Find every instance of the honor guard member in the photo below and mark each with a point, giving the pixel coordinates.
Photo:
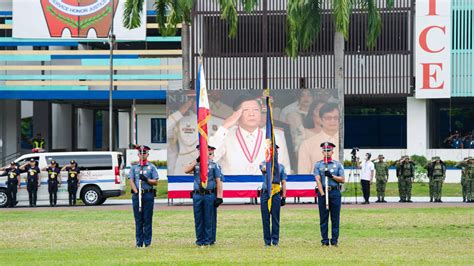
(32, 180)
(54, 181)
(407, 174)
(13, 183)
(272, 237)
(463, 165)
(334, 171)
(429, 169)
(145, 173)
(73, 180)
(205, 200)
(219, 194)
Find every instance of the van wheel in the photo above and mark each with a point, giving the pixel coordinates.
(102, 200)
(91, 196)
(3, 198)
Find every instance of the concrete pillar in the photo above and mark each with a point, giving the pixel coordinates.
(42, 122)
(417, 126)
(123, 126)
(62, 126)
(10, 119)
(105, 130)
(85, 129)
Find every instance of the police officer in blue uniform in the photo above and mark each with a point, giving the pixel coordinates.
(278, 200)
(143, 174)
(13, 183)
(219, 193)
(54, 181)
(32, 180)
(73, 180)
(206, 200)
(334, 171)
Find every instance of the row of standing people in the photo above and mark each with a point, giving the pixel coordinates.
(405, 172)
(33, 181)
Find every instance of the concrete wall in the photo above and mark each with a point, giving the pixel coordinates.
(85, 129)
(10, 117)
(124, 130)
(62, 126)
(144, 115)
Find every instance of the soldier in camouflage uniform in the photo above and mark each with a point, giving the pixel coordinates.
(463, 165)
(398, 174)
(406, 170)
(470, 180)
(430, 178)
(437, 171)
(381, 176)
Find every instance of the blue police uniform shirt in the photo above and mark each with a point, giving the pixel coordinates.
(283, 175)
(334, 167)
(149, 171)
(456, 143)
(214, 172)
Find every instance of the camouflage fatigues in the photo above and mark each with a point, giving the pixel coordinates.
(470, 181)
(464, 178)
(381, 176)
(405, 174)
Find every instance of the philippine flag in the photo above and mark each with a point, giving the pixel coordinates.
(204, 114)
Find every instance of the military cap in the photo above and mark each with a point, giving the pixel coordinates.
(142, 149)
(381, 156)
(54, 162)
(327, 146)
(436, 158)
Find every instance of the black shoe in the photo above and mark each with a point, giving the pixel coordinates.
(384, 201)
(401, 200)
(378, 201)
(325, 245)
(275, 244)
(409, 201)
(334, 245)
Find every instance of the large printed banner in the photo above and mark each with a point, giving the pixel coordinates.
(433, 49)
(72, 19)
(303, 118)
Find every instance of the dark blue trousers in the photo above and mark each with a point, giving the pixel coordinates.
(144, 219)
(214, 227)
(334, 211)
(204, 218)
(274, 236)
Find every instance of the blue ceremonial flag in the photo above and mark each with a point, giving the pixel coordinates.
(271, 155)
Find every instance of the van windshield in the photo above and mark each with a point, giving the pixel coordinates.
(85, 162)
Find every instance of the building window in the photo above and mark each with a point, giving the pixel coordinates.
(158, 130)
(452, 123)
(375, 126)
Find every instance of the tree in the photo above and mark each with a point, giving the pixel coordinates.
(170, 13)
(304, 24)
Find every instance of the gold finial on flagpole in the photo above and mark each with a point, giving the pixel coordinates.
(266, 92)
(200, 55)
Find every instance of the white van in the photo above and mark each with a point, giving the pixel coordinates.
(102, 176)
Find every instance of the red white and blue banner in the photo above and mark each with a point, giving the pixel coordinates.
(203, 116)
(243, 186)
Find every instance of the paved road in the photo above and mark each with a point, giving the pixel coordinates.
(305, 203)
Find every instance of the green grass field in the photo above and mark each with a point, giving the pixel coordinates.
(368, 236)
(419, 189)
